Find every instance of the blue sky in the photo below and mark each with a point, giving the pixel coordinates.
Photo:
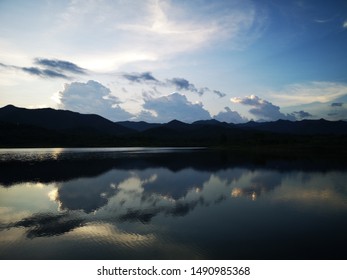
(161, 60)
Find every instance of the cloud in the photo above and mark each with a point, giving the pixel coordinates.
(262, 108)
(333, 109)
(219, 93)
(92, 98)
(45, 73)
(178, 84)
(181, 83)
(344, 25)
(140, 77)
(167, 28)
(306, 93)
(108, 35)
(173, 106)
(337, 104)
(230, 116)
(301, 115)
(47, 224)
(53, 68)
(60, 65)
(336, 110)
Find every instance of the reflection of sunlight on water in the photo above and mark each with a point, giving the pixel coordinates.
(56, 152)
(108, 233)
(309, 196)
(236, 192)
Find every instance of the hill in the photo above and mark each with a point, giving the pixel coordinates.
(61, 120)
(47, 127)
(304, 127)
(138, 126)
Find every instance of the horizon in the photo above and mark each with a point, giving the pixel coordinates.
(156, 61)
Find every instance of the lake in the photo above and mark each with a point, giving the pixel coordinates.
(167, 203)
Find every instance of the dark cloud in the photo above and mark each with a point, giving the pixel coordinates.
(45, 73)
(178, 83)
(182, 84)
(144, 215)
(230, 116)
(60, 65)
(9, 66)
(51, 68)
(301, 115)
(92, 98)
(337, 104)
(263, 108)
(173, 106)
(219, 93)
(140, 77)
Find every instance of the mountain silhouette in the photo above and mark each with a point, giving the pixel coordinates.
(21, 127)
(138, 126)
(60, 120)
(304, 127)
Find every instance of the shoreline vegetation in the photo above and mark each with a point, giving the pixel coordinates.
(48, 128)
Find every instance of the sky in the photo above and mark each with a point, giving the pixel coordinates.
(231, 60)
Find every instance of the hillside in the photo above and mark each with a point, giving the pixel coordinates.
(60, 120)
(21, 127)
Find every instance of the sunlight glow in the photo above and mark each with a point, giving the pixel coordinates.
(236, 192)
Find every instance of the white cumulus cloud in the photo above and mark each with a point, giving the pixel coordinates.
(92, 98)
(262, 108)
(172, 106)
(230, 116)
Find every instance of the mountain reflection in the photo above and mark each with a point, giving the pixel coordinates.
(62, 165)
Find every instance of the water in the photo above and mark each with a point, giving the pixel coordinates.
(138, 203)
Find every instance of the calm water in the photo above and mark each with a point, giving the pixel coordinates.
(136, 203)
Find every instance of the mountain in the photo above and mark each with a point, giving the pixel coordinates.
(47, 127)
(61, 120)
(138, 126)
(304, 127)
(212, 122)
(200, 133)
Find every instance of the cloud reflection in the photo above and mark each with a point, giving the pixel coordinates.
(48, 224)
(135, 196)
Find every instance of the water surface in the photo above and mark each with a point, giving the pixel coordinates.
(143, 203)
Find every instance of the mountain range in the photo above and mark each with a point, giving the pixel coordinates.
(50, 127)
